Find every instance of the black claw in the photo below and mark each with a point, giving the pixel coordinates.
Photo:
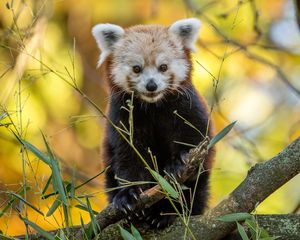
(125, 211)
(129, 207)
(135, 196)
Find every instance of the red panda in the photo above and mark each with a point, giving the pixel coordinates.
(154, 63)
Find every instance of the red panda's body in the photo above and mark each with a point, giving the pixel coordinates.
(154, 63)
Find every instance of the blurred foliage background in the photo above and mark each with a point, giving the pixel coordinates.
(247, 67)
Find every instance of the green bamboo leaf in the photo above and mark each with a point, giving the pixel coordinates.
(95, 226)
(264, 235)
(54, 206)
(57, 182)
(83, 230)
(136, 233)
(38, 229)
(26, 202)
(72, 187)
(56, 177)
(33, 149)
(233, 217)
(84, 208)
(125, 234)
(252, 225)
(60, 235)
(66, 218)
(220, 135)
(47, 185)
(165, 184)
(242, 232)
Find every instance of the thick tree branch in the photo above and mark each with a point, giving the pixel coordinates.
(287, 226)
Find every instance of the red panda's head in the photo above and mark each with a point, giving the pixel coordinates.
(151, 60)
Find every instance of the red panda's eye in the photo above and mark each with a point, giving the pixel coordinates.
(136, 69)
(163, 67)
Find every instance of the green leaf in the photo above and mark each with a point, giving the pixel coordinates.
(66, 218)
(34, 150)
(125, 234)
(264, 235)
(38, 229)
(136, 233)
(220, 135)
(84, 208)
(56, 177)
(252, 225)
(95, 226)
(60, 235)
(26, 202)
(233, 217)
(54, 206)
(165, 184)
(83, 230)
(242, 232)
(47, 185)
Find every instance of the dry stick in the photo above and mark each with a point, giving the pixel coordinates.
(112, 215)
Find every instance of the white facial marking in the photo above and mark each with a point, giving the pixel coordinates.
(186, 30)
(152, 99)
(106, 36)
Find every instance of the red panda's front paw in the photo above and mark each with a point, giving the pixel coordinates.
(125, 200)
(175, 170)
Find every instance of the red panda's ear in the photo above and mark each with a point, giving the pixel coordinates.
(106, 36)
(186, 30)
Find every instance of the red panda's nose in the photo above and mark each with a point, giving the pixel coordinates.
(151, 85)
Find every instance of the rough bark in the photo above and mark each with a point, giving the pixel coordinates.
(287, 227)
